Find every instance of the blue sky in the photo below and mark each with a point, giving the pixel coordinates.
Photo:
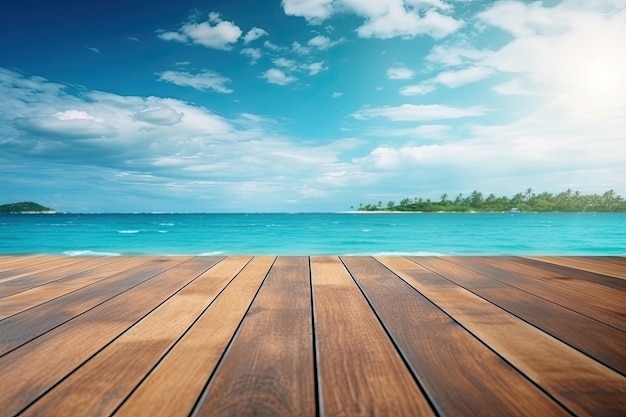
(307, 105)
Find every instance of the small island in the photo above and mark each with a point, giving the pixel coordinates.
(528, 201)
(25, 207)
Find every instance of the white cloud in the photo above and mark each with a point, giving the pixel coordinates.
(300, 49)
(285, 63)
(575, 55)
(253, 34)
(455, 56)
(214, 33)
(253, 53)
(144, 152)
(269, 45)
(93, 49)
(419, 112)
(383, 18)
(417, 89)
(322, 42)
(337, 94)
(316, 67)
(400, 73)
(458, 78)
(162, 115)
(400, 23)
(314, 11)
(206, 80)
(277, 76)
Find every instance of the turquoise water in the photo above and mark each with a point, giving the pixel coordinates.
(316, 234)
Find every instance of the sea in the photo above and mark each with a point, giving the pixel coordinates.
(315, 234)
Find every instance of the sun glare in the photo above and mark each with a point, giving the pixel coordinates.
(601, 77)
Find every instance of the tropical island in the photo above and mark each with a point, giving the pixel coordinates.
(25, 207)
(528, 201)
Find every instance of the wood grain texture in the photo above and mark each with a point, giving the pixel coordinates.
(459, 373)
(35, 296)
(36, 266)
(582, 385)
(56, 354)
(360, 372)
(268, 369)
(99, 386)
(179, 336)
(27, 325)
(611, 266)
(603, 343)
(565, 289)
(18, 285)
(174, 386)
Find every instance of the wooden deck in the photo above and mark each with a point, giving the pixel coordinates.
(318, 336)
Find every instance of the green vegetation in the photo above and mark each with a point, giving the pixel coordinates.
(567, 201)
(25, 207)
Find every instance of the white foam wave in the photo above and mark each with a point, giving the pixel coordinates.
(214, 253)
(89, 253)
(128, 232)
(166, 224)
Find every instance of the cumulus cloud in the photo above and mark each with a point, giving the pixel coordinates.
(147, 147)
(214, 33)
(455, 55)
(400, 73)
(337, 94)
(419, 112)
(300, 49)
(314, 11)
(76, 124)
(206, 80)
(162, 115)
(253, 34)
(285, 63)
(277, 76)
(322, 42)
(383, 18)
(458, 78)
(316, 67)
(417, 89)
(253, 53)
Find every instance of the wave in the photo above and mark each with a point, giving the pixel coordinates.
(214, 253)
(89, 253)
(128, 232)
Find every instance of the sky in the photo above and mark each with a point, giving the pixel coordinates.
(307, 105)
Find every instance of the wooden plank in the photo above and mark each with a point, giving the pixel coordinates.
(174, 386)
(27, 325)
(612, 266)
(581, 384)
(360, 372)
(12, 261)
(585, 297)
(613, 282)
(35, 296)
(24, 283)
(603, 343)
(36, 367)
(37, 265)
(99, 386)
(460, 374)
(268, 370)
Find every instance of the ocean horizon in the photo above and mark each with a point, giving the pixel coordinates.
(344, 233)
